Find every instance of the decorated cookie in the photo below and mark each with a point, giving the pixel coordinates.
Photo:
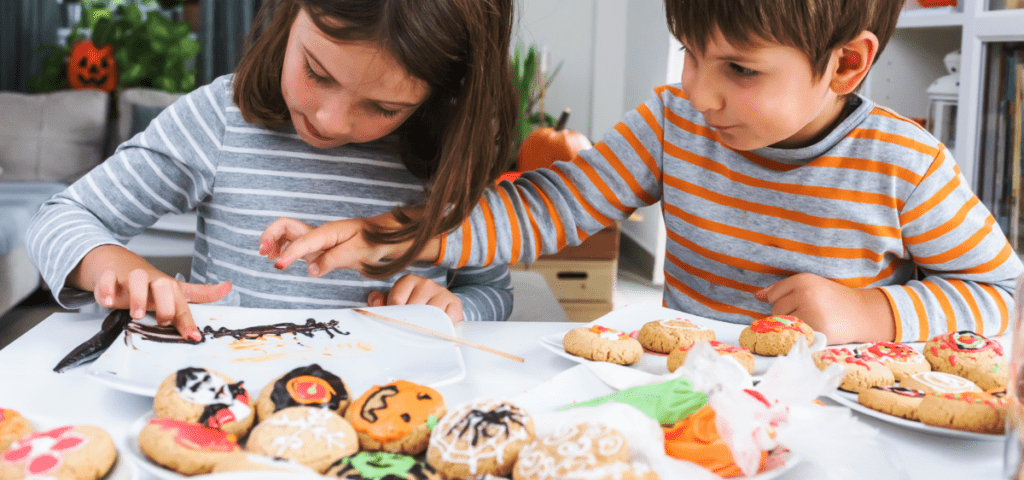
(185, 447)
(862, 372)
(939, 382)
(80, 452)
(900, 358)
(742, 355)
(312, 436)
(603, 345)
(248, 462)
(381, 466)
(895, 401)
(206, 397)
(775, 335)
(309, 386)
(589, 450)
(663, 336)
(479, 437)
(396, 417)
(968, 355)
(971, 411)
(12, 427)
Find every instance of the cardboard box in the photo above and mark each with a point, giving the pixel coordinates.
(579, 280)
(603, 245)
(585, 311)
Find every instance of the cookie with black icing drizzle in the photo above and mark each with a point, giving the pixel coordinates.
(308, 386)
(478, 438)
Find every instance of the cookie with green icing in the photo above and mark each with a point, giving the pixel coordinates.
(381, 466)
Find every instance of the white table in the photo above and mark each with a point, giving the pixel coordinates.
(30, 386)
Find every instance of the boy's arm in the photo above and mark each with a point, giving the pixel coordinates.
(486, 292)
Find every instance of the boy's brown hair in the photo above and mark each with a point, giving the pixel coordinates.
(815, 27)
(459, 139)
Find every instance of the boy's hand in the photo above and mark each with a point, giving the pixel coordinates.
(843, 314)
(414, 290)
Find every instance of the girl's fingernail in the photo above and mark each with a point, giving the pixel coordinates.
(263, 249)
(279, 265)
(314, 270)
(108, 301)
(195, 336)
(138, 314)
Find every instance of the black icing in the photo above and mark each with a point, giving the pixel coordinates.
(308, 329)
(419, 470)
(211, 410)
(282, 399)
(479, 422)
(906, 392)
(377, 401)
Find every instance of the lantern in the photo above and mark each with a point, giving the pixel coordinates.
(942, 101)
(91, 67)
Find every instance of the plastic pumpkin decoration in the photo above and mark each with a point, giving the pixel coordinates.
(91, 67)
(548, 145)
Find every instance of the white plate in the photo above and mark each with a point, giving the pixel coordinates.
(178, 223)
(371, 352)
(849, 400)
(123, 469)
(630, 318)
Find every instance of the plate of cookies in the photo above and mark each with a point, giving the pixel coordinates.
(656, 340)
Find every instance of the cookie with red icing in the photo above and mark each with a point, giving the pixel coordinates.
(903, 360)
(862, 372)
(969, 355)
(677, 357)
(12, 427)
(896, 401)
(602, 344)
(81, 452)
(972, 411)
(308, 386)
(206, 397)
(396, 417)
(663, 336)
(775, 335)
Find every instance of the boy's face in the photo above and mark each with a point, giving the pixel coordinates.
(339, 93)
(760, 96)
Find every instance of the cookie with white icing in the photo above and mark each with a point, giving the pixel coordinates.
(677, 357)
(206, 397)
(251, 462)
(381, 466)
(308, 386)
(396, 417)
(314, 437)
(12, 427)
(903, 360)
(775, 335)
(588, 451)
(939, 382)
(478, 438)
(185, 447)
(663, 336)
(975, 357)
(971, 412)
(81, 452)
(896, 401)
(862, 372)
(602, 344)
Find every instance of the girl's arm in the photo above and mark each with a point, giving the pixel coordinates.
(486, 292)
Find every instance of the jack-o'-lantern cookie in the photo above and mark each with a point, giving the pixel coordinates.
(312, 436)
(381, 465)
(205, 397)
(478, 438)
(969, 355)
(603, 345)
(740, 354)
(775, 335)
(12, 427)
(309, 386)
(939, 382)
(663, 336)
(588, 450)
(896, 401)
(81, 452)
(185, 447)
(971, 412)
(862, 372)
(900, 358)
(251, 462)
(396, 417)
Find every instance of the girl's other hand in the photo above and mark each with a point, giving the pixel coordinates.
(414, 290)
(333, 245)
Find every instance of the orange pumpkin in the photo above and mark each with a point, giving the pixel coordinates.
(91, 67)
(545, 146)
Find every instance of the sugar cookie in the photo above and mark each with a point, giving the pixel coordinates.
(862, 372)
(903, 360)
(396, 417)
(308, 386)
(81, 452)
(602, 344)
(206, 397)
(311, 436)
(775, 335)
(663, 336)
(969, 355)
(742, 355)
(479, 437)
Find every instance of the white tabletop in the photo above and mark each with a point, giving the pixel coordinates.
(30, 386)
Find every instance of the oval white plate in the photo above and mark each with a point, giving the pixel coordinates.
(849, 400)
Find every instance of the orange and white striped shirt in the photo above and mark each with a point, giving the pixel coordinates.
(879, 202)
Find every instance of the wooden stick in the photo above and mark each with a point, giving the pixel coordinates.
(437, 334)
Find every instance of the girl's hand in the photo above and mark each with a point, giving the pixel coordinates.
(843, 314)
(414, 290)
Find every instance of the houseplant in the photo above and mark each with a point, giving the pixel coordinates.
(532, 83)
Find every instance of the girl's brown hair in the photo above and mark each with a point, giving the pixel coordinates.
(459, 139)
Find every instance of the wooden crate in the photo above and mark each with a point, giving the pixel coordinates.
(585, 311)
(579, 280)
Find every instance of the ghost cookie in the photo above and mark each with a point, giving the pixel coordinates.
(775, 335)
(250, 462)
(603, 345)
(380, 466)
(862, 372)
(589, 451)
(895, 401)
(185, 447)
(478, 438)
(900, 358)
(206, 397)
(971, 412)
(314, 437)
(939, 382)
(969, 355)
(663, 336)
(12, 427)
(81, 452)
(396, 417)
(309, 386)
(677, 358)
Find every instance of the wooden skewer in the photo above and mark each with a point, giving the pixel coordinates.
(437, 334)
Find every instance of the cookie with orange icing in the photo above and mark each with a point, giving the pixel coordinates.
(969, 355)
(677, 357)
(309, 386)
(903, 360)
(185, 447)
(862, 372)
(206, 397)
(80, 452)
(12, 427)
(602, 344)
(663, 336)
(396, 417)
(775, 335)
(972, 411)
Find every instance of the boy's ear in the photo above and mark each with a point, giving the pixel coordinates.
(855, 59)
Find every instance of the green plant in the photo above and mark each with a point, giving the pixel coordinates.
(525, 65)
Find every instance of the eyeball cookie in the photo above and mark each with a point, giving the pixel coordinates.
(862, 372)
(80, 452)
(971, 411)
(381, 465)
(968, 355)
(939, 382)
(663, 336)
(396, 417)
(901, 359)
(479, 438)
(12, 427)
(309, 386)
(896, 401)
(775, 335)
(249, 462)
(185, 447)
(314, 437)
(677, 358)
(206, 397)
(588, 450)
(603, 345)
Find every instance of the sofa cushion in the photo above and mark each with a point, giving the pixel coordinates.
(19, 201)
(52, 137)
(136, 107)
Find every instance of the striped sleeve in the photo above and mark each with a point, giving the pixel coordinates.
(486, 292)
(168, 168)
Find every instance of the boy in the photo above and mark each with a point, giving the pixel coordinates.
(784, 191)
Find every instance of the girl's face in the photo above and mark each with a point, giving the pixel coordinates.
(339, 93)
(761, 96)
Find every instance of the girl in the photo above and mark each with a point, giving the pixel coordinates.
(338, 109)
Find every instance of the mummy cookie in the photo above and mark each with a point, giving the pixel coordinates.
(314, 437)
(663, 336)
(185, 447)
(603, 345)
(479, 438)
(80, 452)
(586, 451)
(381, 466)
(895, 401)
(775, 335)
(309, 386)
(968, 355)
(12, 427)
(971, 411)
(939, 382)
(249, 462)
(862, 372)
(677, 358)
(900, 358)
(396, 417)
(206, 397)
